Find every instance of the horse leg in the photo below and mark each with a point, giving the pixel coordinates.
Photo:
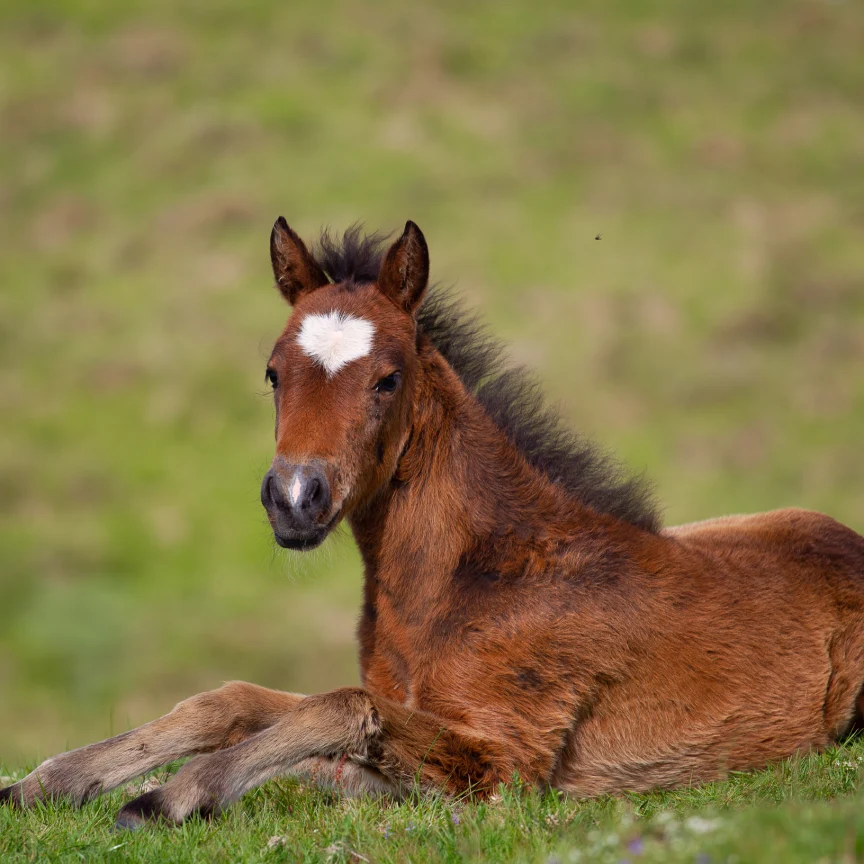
(394, 747)
(204, 723)
(345, 776)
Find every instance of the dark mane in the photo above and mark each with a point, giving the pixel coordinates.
(511, 395)
(355, 257)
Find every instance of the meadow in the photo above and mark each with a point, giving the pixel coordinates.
(802, 811)
(713, 337)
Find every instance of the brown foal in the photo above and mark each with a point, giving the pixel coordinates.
(524, 612)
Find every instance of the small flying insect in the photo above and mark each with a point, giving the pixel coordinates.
(598, 236)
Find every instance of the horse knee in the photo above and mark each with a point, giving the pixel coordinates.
(349, 713)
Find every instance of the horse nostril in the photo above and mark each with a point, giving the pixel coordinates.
(271, 495)
(313, 493)
(315, 499)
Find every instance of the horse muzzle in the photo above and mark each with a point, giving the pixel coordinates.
(298, 503)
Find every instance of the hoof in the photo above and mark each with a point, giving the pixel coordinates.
(136, 814)
(128, 822)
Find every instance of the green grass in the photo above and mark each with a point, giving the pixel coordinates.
(714, 337)
(804, 810)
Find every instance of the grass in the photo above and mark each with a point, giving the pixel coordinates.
(804, 810)
(714, 337)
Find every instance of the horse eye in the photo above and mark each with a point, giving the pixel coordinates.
(389, 383)
(272, 377)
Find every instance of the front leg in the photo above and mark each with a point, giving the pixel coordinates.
(397, 746)
(202, 724)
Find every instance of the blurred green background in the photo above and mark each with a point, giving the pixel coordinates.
(714, 336)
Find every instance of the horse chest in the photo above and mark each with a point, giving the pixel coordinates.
(398, 654)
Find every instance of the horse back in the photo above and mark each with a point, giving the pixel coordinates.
(790, 544)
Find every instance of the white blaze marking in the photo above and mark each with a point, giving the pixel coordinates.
(296, 486)
(335, 339)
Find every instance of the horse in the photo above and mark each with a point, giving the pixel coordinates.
(525, 613)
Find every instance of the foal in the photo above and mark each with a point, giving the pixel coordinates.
(524, 612)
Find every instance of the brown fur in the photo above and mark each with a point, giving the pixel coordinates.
(508, 626)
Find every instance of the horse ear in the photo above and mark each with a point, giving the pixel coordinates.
(405, 272)
(294, 268)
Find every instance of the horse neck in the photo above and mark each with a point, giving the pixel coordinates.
(459, 485)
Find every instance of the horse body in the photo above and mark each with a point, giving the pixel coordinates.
(607, 657)
(753, 651)
(524, 612)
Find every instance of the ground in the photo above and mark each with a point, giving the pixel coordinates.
(713, 336)
(804, 810)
